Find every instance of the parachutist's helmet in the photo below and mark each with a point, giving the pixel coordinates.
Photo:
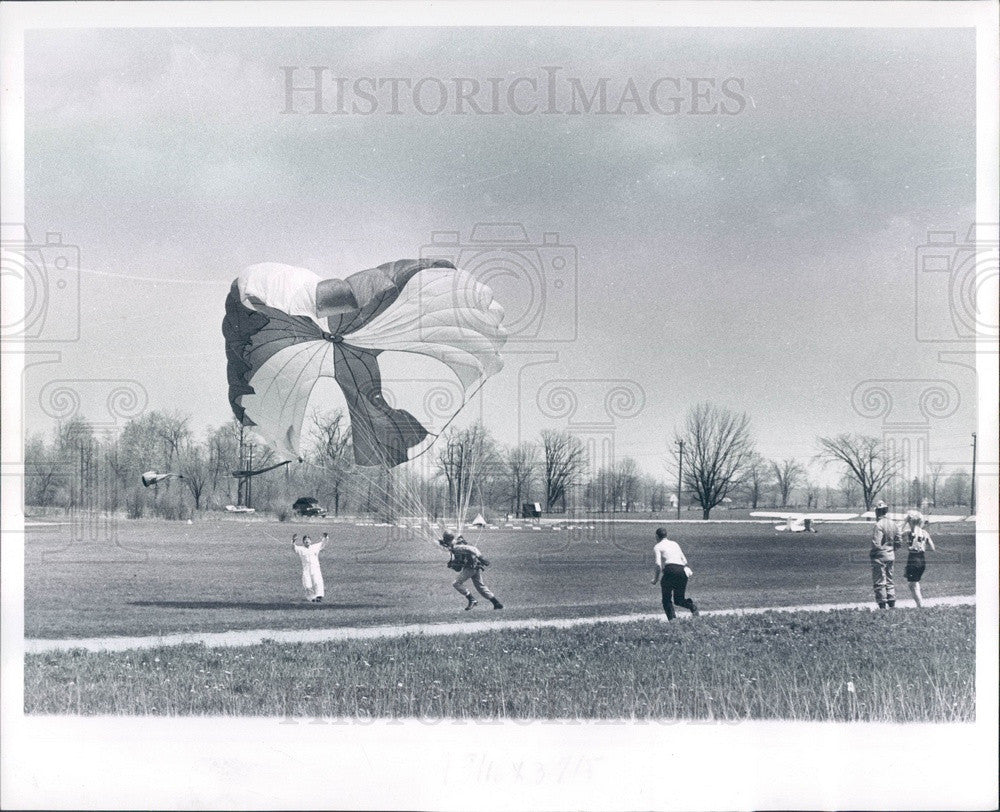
(915, 517)
(881, 509)
(447, 540)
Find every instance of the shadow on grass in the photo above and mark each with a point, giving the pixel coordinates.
(265, 607)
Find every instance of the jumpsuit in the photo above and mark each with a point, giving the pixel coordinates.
(312, 575)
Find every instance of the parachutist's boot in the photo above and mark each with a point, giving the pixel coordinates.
(892, 604)
(472, 602)
(496, 603)
(694, 609)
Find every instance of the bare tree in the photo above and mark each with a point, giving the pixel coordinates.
(865, 459)
(624, 484)
(464, 458)
(224, 445)
(564, 461)
(43, 472)
(173, 430)
(658, 494)
(756, 478)
(787, 476)
(521, 463)
(956, 487)
(850, 490)
(717, 448)
(76, 451)
(333, 449)
(812, 495)
(197, 472)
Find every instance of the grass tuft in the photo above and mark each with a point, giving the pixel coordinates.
(901, 666)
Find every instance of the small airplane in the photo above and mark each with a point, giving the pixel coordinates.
(802, 522)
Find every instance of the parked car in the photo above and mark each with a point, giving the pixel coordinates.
(308, 506)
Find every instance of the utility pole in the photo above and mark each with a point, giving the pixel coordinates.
(972, 500)
(250, 478)
(241, 482)
(680, 468)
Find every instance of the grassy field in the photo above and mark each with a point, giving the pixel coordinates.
(153, 577)
(904, 666)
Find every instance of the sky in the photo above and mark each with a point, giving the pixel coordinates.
(757, 249)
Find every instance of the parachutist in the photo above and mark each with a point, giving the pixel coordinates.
(469, 563)
(312, 574)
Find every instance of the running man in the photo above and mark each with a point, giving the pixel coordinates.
(916, 540)
(885, 542)
(672, 573)
(469, 563)
(312, 575)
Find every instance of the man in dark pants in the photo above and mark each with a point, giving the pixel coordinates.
(672, 572)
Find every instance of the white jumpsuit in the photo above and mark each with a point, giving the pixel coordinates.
(312, 575)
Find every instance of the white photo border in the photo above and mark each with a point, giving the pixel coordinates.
(59, 762)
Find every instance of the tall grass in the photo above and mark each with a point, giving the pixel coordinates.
(903, 666)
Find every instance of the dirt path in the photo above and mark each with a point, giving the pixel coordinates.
(256, 636)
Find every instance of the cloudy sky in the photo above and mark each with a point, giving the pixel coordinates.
(761, 255)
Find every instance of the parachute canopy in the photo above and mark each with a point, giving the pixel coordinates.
(286, 328)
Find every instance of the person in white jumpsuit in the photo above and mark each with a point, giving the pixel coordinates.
(312, 574)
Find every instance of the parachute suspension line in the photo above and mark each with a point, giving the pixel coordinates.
(247, 474)
(391, 494)
(450, 420)
(399, 496)
(469, 473)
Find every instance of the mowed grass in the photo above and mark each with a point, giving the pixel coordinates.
(155, 577)
(904, 666)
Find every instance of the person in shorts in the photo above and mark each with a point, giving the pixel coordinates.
(917, 541)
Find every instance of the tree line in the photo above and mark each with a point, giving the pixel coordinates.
(466, 471)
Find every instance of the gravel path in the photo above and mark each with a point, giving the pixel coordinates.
(256, 636)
